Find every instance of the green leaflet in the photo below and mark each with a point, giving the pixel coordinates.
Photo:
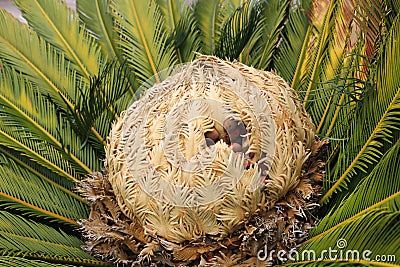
(381, 110)
(143, 38)
(60, 26)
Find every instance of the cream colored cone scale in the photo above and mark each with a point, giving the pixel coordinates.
(204, 153)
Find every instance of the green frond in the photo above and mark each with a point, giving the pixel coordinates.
(30, 123)
(266, 36)
(60, 26)
(321, 56)
(21, 237)
(33, 113)
(380, 189)
(330, 47)
(172, 12)
(237, 31)
(211, 16)
(9, 261)
(182, 26)
(108, 90)
(143, 37)
(45, 199)
(10, 137)
(377, 231)
(294, 36)
(186, 37)
(97, 17)
(381, 109)
(44, 174)
(41, 64)
(22, 49)
(209, 21)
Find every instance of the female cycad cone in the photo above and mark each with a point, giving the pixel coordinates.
(211, 166)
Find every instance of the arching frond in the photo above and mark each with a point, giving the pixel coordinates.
(295, 37)
(33, 240)
(207, 13)
(237, 30)
(24, 191)
(380, 189)
(30, 123)
(60, 26)
(376, 231)
(181, 23)
(9, 261)
(108, 90)
(142, 37)
(22, 49)
(97, 17)
(266, 36)
(41, 64)
(381, 110)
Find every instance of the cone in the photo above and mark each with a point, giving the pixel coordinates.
(217, 164)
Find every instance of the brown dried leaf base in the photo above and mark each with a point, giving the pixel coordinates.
(114, 237)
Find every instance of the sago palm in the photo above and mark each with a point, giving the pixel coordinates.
(67, 75)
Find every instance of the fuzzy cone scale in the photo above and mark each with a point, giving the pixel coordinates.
(210, 166)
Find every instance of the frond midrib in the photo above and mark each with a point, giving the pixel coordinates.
(360, 153)
(55, 167)
(144, 40)
(41, 176)
(46, 79)
(38, 209)
(70, 50)
(376, 205)
(46, 133)
(103, 27)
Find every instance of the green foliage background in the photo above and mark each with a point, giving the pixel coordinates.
(67, 75)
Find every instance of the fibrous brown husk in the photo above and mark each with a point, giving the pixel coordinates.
(163, 200)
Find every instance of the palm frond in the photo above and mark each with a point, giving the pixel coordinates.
(331, 46)
(371, 193)
(31, 124)
(9, 261)
(60, 26)
(267, 34)
(143, 37)
(237, 31)
(172, 12)
(186, 37)
(64, 185)
(182, 26)
(25, 108)
(29, 54)
(209, 21)
(98, 19)
(45, 199)
(381, 110)
(21, 237)
(108, 90)
(377, 231)
(294, 36)
(22, 49)
(211, 16)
